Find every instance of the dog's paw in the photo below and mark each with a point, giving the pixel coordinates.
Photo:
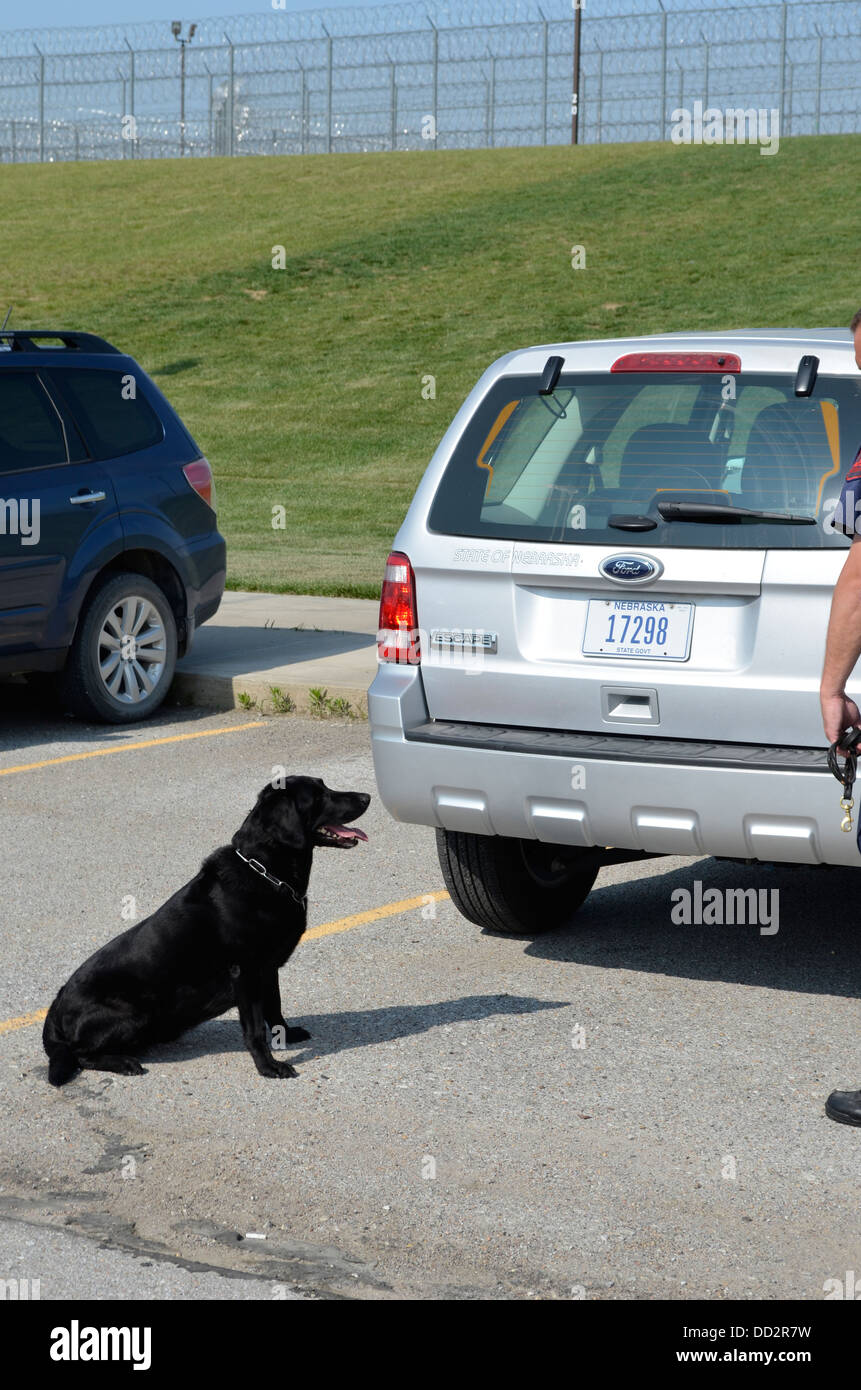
(276, 1068)
(123, 1066)
(294, 1035)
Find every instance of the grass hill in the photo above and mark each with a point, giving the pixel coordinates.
(304, 385)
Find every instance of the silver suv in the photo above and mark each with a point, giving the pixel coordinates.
(602, 627)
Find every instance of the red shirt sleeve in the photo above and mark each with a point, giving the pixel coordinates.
(847, 516)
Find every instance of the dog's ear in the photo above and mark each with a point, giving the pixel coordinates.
(291, 811)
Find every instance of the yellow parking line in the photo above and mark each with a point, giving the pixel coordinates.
(11, 1025)
(128, 747)
(373, 915)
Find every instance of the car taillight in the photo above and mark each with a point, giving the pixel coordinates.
(199, 476)
(677, 362)
(398, 635)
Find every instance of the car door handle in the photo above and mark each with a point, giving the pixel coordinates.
(81, 497)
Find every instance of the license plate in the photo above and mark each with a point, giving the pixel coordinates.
(638, 628)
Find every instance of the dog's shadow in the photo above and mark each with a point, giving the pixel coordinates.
(341, 1032)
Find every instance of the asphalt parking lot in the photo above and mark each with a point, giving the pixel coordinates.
(628, 1108)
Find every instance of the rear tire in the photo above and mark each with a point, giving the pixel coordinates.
(97, 682)
(517, 887)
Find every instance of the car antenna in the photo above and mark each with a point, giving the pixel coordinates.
(6, 320)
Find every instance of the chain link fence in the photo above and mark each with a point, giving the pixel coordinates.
(464, 74)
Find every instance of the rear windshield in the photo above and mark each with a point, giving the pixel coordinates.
(610, 448)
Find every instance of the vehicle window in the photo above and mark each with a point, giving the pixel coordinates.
(649, 406)
(31, 433)
(604, 445)
(517, 437)
(112, 420)
(751, 400)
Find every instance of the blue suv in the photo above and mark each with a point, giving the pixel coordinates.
(110, 557)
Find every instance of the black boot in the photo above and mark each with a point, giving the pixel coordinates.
(844, 1106)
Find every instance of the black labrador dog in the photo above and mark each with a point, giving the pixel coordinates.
(218, 943)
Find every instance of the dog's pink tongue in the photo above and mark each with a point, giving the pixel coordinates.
(346, 832)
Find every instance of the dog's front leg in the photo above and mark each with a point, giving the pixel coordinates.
(249, 995)
(282, 1032)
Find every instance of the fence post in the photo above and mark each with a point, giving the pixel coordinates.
(41, 104)
(707, 72)
(303, 132)
(575, 87)
(818, 82)
(434, 80)
(131, 111)
(209, 111)
(182, 99)
(546, 47)
(329, 59)
(492, 102)
(487, 112)
(786, 131)
(230, 94)
(600, 97)
(14, 151)
(783, 62)
(394, 105)
(121, 75)
(663, 134)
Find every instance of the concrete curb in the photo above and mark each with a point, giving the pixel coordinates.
(222, 693)
(295, 643)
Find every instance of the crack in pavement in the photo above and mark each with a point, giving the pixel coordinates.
(110, 1233)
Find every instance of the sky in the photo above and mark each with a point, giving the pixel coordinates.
(45, 14)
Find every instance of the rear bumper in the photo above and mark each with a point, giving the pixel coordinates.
(209, 607)
(661, 796)
(206, 574)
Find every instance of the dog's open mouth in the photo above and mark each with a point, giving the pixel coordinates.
(339, 836)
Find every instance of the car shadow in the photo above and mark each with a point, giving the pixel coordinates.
(350, 1029)
(627, 926)
(31, 718)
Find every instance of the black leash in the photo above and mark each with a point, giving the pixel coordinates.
(847, 744)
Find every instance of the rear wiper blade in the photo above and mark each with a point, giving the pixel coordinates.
(732, 516)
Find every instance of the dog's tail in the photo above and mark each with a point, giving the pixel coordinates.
(62, 1062)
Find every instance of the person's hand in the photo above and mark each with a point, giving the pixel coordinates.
(838, 713)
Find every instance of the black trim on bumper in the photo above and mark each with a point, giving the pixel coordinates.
(632, 748)
(43, 660)
(205, 611)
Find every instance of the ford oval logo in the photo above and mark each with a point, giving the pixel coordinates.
(630, 569)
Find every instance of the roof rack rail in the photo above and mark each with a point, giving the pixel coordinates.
(26, 340)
